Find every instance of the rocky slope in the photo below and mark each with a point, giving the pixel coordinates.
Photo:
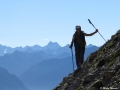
(100, 71)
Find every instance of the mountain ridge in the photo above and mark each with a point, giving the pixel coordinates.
(51, 45)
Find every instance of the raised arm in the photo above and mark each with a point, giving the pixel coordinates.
(91, 33)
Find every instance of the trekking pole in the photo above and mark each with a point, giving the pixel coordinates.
(95, 28)
(72, 58)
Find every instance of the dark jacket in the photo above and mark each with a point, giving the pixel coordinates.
(82, 37)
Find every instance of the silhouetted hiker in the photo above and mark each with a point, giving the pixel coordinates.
(80, 43)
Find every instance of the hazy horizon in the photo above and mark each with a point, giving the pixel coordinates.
(40, 45)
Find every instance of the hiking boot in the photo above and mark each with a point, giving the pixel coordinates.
(76, 71)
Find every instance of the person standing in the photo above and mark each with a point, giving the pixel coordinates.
(79, 43)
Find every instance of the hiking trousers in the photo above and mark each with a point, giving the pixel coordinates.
(79, 53)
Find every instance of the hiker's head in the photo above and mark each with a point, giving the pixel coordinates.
(78, 28)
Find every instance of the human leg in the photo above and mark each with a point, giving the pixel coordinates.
(82, 51)
(77, 54)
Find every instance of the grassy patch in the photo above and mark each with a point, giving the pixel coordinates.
(109, 46)
(65, 86)
(88, 58)
(97, 84)
(79, 88)
(100, 53)
(100, 63)
(105, 49)
(110, 64)
(115, 83)
(116, 38)
(83, 81)
(116, 54)
(89, 88)
(118, 72)
(91, 58)
(118, 31)
(118, 80)
(93, 66)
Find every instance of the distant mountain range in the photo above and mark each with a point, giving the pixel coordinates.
(50, 48)
(38, 66)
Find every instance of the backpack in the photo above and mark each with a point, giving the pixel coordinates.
(81, 42)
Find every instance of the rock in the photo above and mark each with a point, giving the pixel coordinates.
(118, 44)
(92, 56)
(108, 75)
(89, 77)
(114, 79)
(65, 86)
(107, 59)
(117, 67)
(100, 63)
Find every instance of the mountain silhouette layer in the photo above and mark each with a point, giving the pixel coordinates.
(18, 62)
(9, 81)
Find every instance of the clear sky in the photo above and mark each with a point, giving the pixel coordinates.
(31, 22)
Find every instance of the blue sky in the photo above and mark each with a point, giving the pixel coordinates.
(31, 22)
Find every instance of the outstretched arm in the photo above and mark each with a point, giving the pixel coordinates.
(91, 33)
